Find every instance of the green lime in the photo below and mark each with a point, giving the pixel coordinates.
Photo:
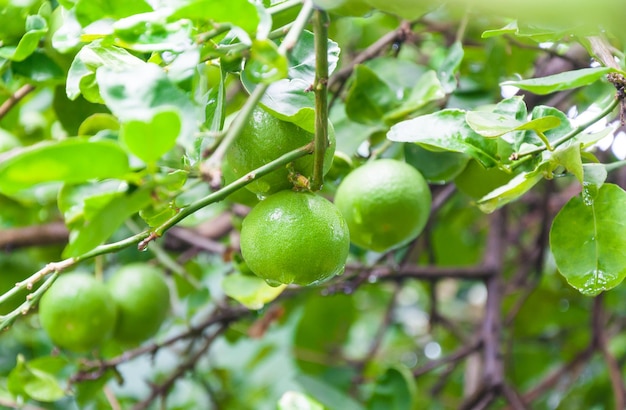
(295, 237)
(143, 302)
(242, 196)
(386, 204)
(266, 138)
(78, 312)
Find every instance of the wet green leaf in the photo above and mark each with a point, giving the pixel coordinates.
(426, 90)
(492, 124)
(70, 161)
(80, 203)
(148, 32)
(569, 158)
(588, 242)
(562, 81)
(251, 291)
(446, 130)
(265, 64)
(81, 78)
(436, 167)
(150, 140)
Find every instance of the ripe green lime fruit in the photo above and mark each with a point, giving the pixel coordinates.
(78, 312)
(477, 181)
(386, 204)
(266, 138)
(242, 196)
(143, 302)
(295, 237)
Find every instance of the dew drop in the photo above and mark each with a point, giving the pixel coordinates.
(273, 283)
(372, 278)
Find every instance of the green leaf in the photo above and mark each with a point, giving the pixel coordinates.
(337, 313)
(369, 98)
(251, 291)
(141, 92)
(82, 73)
(88, 11)
(515, 188)
(106, 221)
(36, 27)
(394, 390)
(80, 203)
(293, 400)
(492, 124)
(446, 130)
(588, 242)
(562, 81)
(34, 381)
(289, 99)
(148, 32)
(436, 167)
(70, 161)
(39, 68)
(594, 175)
(265, 64)
(150, 140)
(327, 394)
(426, 90)
(450, 66)
(569, 157)
(219, 11)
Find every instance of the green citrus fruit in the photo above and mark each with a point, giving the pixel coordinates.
(242, 196)
(266, 138)
(295, 237)
(77, 312)
(386, 204)
(143, 302)
(477, 181)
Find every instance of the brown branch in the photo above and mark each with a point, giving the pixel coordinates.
(600, 340)
(15, 98)
(161, 389)
(35, 235)
(456, 356)
(95, 369)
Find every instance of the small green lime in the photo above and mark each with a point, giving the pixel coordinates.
(78, 312)
(386, 204)
(294, 237)
(143, 302)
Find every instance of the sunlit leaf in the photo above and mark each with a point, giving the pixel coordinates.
(34, 381)
(219, 11)
(149, 140)
(562, 81)
(588, 242)
(265, 64)
(293, 400)
(446, 130)
(515, 188)
(70, 161)
(149, 32)
(88, 11)
(251, 291)
(36, 27)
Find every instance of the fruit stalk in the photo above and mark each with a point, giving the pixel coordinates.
(320, 87)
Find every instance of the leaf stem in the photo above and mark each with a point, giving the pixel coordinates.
(320, 87)
(31, 300)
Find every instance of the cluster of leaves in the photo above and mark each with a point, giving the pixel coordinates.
(127, 108)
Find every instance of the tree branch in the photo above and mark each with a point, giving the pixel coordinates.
(35, 235)
(15, 98)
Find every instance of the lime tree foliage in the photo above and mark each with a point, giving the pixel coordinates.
(329, 204)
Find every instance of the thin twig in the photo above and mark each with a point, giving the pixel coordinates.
(459, 354)
(15, 98)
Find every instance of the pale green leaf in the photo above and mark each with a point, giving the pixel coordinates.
(251, 291)
(562, 81)
(150, 140)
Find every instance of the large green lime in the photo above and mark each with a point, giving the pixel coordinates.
(386, 204)
(295, 237)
